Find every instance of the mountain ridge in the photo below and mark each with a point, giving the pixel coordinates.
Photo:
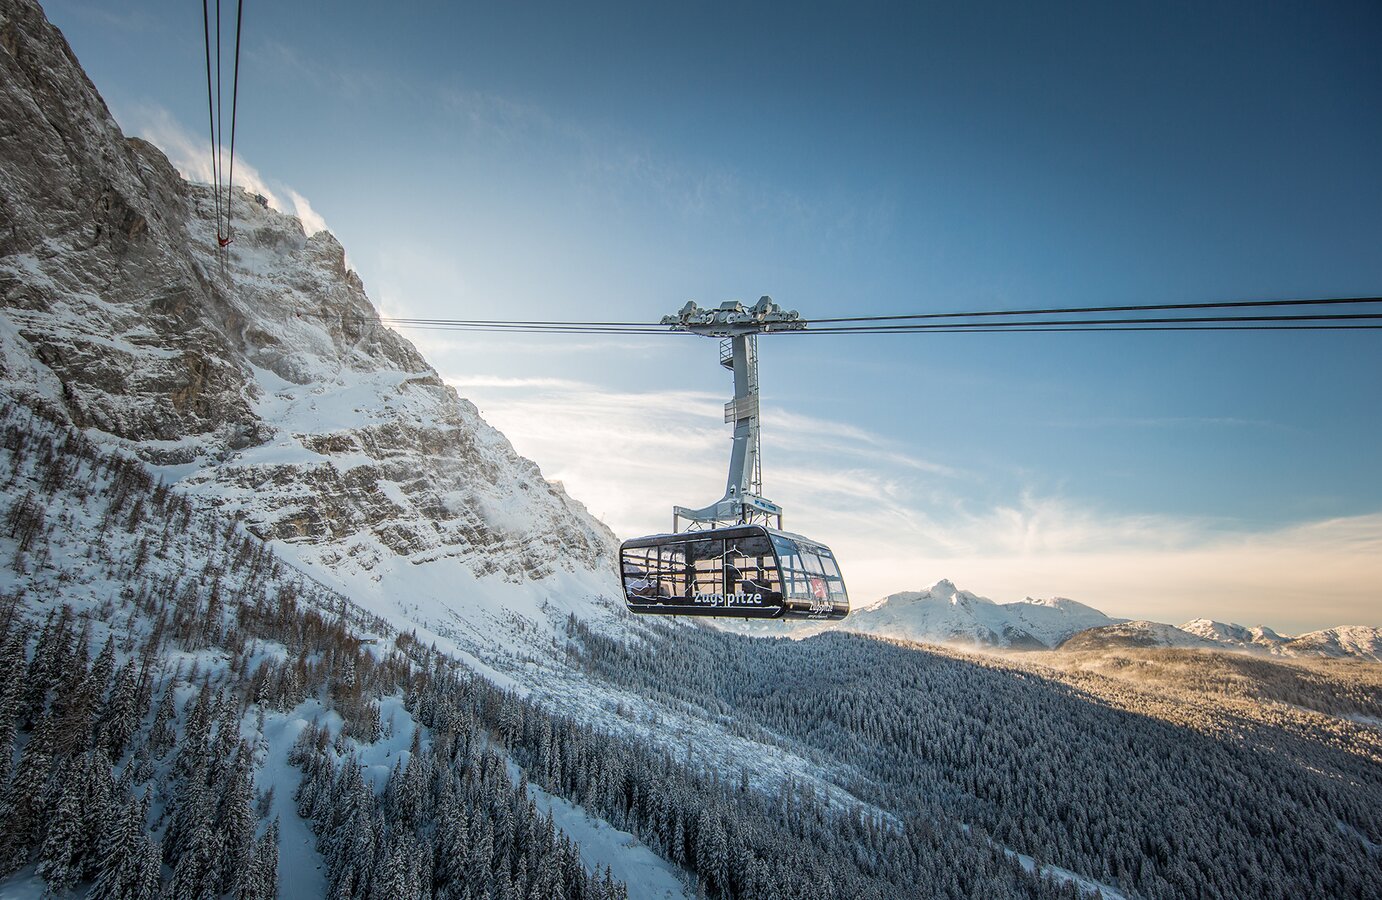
(1362, 642)
(946, 614)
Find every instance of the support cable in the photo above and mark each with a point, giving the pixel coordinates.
(223, 191)
(841, 322)
(211, 110)
(1154, 307)
(234, 103)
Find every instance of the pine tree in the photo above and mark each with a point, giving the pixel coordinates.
(712, 852)
(452, 840)
(101, 670)
(190, 808)
(99, 808)
(12, 666)
(119, 719)
(162, 734)
(22, 818)
(147, 881)
(120, 851)
(237, 827)
(59, 858)
(194, 872)
(389, 879)
(262, 883)
(49, 649)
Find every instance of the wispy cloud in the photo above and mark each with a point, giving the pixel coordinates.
(124, 19)
(464, 382)
(312, 221)
(899, 522)
(1168, 422)
(353, 82)
(503, 119)
(191, 156)
(617, 166)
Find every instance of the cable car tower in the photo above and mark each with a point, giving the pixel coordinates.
(737, 327)
(734, 560)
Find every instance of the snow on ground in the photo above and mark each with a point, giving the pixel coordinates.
(690, 734)
(513, 635)
(601, 844)
(1348, 829)
(1057, 873)
(25, 885)
(1065, 876)
(300, 871)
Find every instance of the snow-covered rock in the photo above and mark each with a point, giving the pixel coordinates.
(1357, 641)
(1361, 641)
(947, 614)
(260, 378)
(1125, 635)
(1259, 636)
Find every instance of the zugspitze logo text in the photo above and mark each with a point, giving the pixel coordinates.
(740, 599)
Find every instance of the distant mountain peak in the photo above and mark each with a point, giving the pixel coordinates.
(945, 613)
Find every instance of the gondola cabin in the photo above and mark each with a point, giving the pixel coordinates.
(740, 571)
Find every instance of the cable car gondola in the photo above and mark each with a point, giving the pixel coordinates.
(734, 560)
(744, 571)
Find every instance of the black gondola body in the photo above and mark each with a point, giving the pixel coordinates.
(744, 571)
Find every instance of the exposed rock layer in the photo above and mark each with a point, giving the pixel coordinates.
(260, 378)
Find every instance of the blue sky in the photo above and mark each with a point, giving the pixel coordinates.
(614, 160)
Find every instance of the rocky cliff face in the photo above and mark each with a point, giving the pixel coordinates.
(259, 378)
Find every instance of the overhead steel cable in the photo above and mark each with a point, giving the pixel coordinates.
(223, 191)
(1164, 320)
(918, 317)
(234, 104)
(948, 328)
(1293, 315)
(211, 108)
(503, 322)
(960, 328)
(941, 329)
(583, 327)
(1076, 310)
(492, 329)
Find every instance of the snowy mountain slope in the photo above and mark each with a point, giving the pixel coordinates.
(1359, 641)
(1355, 641)
(1053, 619)
(1135, 634)
(1258, 636)
(387, 767)
(198, 621)
(261, 378)
(946, 614)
